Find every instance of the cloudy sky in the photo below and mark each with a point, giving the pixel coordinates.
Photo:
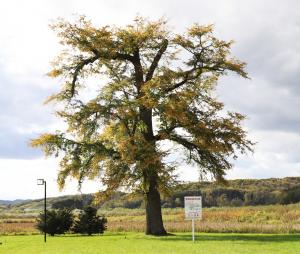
(266, 34)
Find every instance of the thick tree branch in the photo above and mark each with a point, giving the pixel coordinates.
(139, 74)
(184, 142)
(188, 76)
(181, 83)
(156, 60)
(121, 56)
(167, 131)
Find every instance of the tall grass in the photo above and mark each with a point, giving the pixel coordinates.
(17, 228)
(258, 219)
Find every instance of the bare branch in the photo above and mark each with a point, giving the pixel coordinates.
(81, 65)
(78, 68)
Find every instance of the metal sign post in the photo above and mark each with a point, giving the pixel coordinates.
(193, 210)
(193, 229)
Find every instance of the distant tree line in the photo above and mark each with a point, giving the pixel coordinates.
(73, 202)
(247, 192)
(234, 197)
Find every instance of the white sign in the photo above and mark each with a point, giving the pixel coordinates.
(193, 207)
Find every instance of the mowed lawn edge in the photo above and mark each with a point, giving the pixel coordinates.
(112, 242)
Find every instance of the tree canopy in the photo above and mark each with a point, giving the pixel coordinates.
(155, 88)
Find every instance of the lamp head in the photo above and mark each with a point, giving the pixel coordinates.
(40, 181)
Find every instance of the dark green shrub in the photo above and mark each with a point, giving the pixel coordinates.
(89, 222)
(58, 221)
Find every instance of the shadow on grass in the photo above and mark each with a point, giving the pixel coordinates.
(93, 235)
(234, 237)
(200, 237)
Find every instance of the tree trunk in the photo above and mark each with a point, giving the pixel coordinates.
(154, 222)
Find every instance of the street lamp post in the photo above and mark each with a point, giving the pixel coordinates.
(43, 182)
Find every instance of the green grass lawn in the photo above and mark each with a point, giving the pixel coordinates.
(139, 243)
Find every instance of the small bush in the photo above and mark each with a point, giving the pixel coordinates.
(89, 222)
(58, 221)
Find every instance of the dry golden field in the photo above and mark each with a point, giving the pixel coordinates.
(259, 219)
